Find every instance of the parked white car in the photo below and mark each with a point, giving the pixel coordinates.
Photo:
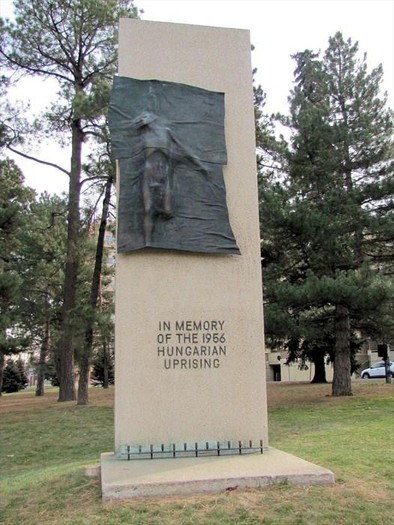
(377, 370)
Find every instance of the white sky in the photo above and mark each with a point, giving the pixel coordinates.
(279, 28)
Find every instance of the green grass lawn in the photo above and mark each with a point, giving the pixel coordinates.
(45, 446)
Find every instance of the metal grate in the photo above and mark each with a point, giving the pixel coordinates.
(197, 450)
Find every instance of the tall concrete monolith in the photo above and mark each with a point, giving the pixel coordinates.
(190, 394)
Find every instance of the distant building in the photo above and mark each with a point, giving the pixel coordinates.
(277, 368)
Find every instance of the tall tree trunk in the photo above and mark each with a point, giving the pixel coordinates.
(66, 343)
(105, 363)
(43, 351)
(320, 368)
(83, 396)
(84, 368)
(2, 360)
(342, 382)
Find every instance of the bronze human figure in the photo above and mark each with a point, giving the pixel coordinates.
(161, 149)
(170, 143)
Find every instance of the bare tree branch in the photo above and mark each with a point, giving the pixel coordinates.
(40, 161)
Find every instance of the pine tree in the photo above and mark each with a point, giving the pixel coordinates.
(14, 378)
(94, 306)
(103, 365)
(40, 263)
(73, 42)
(14, 204)
(335, 218)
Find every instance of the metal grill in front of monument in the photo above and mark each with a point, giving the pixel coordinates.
(197, 450)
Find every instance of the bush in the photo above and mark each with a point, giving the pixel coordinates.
(103, 368)
(14, 376)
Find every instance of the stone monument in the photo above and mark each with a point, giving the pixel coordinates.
(190, 394)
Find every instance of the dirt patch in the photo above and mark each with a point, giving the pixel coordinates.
(290, 393)
(279, 394)
(27, 400)
(282, 394)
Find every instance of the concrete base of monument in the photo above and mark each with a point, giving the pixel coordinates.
(122, 479)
